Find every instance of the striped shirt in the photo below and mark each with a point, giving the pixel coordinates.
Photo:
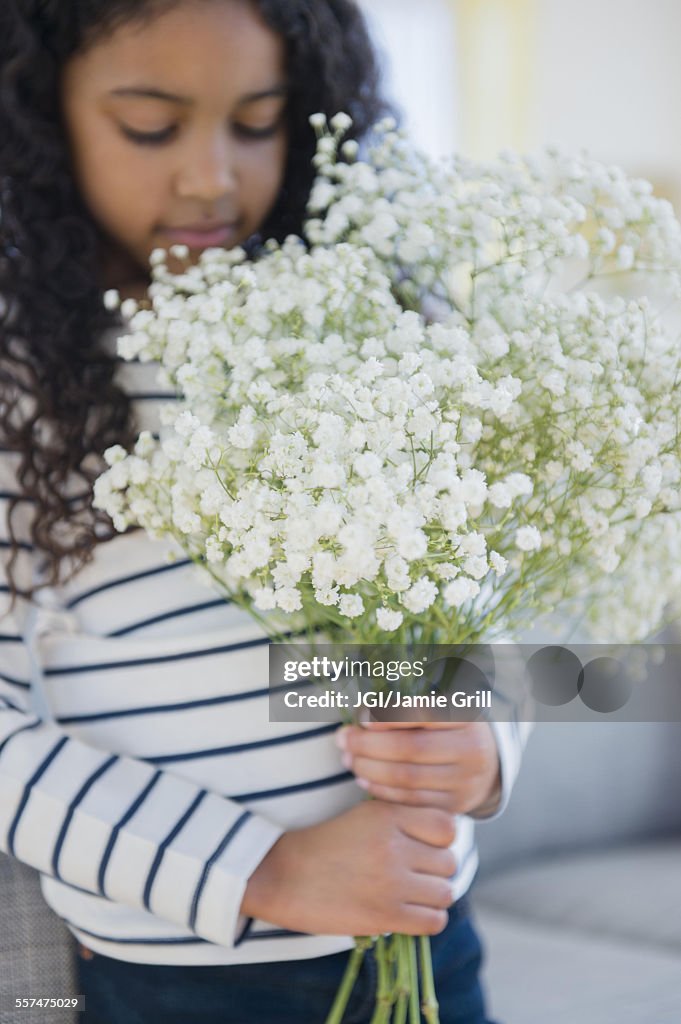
(142, 776)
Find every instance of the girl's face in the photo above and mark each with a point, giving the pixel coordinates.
(177, 131)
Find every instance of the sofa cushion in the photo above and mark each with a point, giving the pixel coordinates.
(36, 949)
(587, 785)
(538, 973)
(630, 894)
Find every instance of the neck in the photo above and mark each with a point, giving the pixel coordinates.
(119, 271)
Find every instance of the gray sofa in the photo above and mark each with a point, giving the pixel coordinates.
(36, 950)
(578, 898)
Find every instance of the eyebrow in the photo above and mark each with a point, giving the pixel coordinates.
(148, 92)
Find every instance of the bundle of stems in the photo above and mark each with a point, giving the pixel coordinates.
(406, 987)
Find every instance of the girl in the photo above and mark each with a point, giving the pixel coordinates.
(211, 865)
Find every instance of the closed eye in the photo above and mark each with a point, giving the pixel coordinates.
(165, 134)
(257, 133)
(149, 138)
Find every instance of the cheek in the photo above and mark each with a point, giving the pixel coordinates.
(265, 176)
(120, 188)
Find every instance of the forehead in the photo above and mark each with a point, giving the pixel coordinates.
(200, 48)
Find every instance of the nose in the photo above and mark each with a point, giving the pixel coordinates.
(207, 170)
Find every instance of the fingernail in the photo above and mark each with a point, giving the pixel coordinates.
(362, 783)
(346, 760)
(341, 738)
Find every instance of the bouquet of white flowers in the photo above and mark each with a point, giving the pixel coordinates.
(425, 425)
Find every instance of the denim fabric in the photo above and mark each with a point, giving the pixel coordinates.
(285, 992)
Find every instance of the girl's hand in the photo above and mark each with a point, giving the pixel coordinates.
(450, 765)
(376, 868)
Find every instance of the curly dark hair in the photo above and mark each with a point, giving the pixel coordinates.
(59, 405)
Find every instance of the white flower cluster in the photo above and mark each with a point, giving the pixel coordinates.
(408, 429)
(462, 230)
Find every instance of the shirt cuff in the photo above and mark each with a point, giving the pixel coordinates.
(510, 738)
(218, 917)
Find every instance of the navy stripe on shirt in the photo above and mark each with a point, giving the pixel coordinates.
(244, 932)
(28, 500)
(180, 940)
(120, 581)
(222, 845)
(271, 933)
(131, 811)
(23, 545)
(4, 678)
(190, 940)
(176, 613)
(22, 728)
(13, 495)
(299, 787)
(189, 705)
(40, 771)
(152, 396)
(160, 852)
(78, 798)
(237, 748)
(159, 660)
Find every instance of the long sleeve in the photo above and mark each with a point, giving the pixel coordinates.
(511, 738)
(108, 824)
(511, 725)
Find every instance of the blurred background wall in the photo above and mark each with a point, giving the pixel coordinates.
(481, 75)
(578, 897)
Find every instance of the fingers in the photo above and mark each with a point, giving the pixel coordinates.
(415, 920)
(439, 862)
(428, 825)
(418, 798)
(405, 775)
(449, 787)
(374, 726)
(415, 745)
(429, 899)
(428, 891)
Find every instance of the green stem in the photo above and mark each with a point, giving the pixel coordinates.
(384, 994)
(347, 984)
(429, 1004)
(414, 1008)
(403, 987)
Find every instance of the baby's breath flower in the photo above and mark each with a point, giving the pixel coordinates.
(389, 620)
(625, 257)
(498, 562)
(128, 308)
(327, 595)
(265, 599)
(340, 122)
(420, 596)
(289, 599)
(116, 453)
(459, 591)
(351, 605)
(500, 495)
(528, 538)
(401, 412)
(350, 149)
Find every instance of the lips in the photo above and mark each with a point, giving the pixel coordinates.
(203, 235)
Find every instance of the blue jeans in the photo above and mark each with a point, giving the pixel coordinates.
(285, 992)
